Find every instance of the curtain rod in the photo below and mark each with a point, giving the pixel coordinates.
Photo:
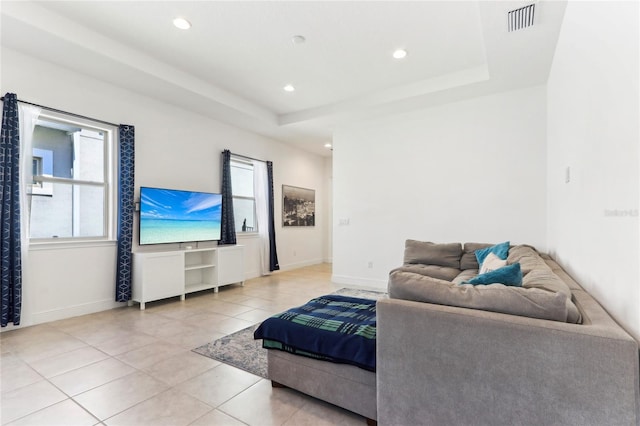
(66, 112)
(248, 158)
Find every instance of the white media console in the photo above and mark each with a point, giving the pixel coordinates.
(161, 274)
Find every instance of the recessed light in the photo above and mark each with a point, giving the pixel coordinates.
(289, 88)
(182, 23)
(400, 54)
(328, 145)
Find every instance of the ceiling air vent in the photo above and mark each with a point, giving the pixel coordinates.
(521, 18)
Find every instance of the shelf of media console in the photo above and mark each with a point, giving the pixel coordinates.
(192, 288)
(200, 266)
(170, 273)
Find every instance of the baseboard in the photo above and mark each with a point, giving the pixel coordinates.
(73, 311)
(297, 265)
(285, 267)
(359, 282)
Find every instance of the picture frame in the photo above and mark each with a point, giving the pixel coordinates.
(298, 206)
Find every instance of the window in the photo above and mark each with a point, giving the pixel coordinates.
(42, 166)
(72, 195)
(244, 203)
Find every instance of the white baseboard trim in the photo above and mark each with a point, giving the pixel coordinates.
(286, 267)
(364, 283)
(73, 311)
(297, 265)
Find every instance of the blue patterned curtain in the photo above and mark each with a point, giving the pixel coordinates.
(125, 211)
(10, 213)
(228, 231)
(273, 255)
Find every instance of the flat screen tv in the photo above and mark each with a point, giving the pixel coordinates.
(173, 216)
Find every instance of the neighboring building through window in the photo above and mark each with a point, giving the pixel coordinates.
(72, 195)
(244, 203)
(42, 166)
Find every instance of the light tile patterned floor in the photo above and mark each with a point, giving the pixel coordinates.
(131, 367)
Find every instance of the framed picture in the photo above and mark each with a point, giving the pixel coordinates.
(298, 206)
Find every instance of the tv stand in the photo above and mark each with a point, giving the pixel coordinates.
(162, 274)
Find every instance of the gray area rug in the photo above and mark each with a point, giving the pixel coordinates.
(240, 350)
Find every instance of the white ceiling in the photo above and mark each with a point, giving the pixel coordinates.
(234, 61)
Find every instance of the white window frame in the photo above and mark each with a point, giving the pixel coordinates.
(109, 184)
(240, 160)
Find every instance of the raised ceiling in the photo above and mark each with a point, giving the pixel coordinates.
(234, 61)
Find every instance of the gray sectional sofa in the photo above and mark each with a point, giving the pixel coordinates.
(450, 353)
(545, 353)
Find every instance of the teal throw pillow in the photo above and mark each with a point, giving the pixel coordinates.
(507, 275)
(501, 250)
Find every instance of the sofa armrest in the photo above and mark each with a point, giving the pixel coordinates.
(448, 365)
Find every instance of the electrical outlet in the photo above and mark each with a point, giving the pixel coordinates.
(294, 253)
(370, 265)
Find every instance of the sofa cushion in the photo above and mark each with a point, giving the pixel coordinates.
(468, 259)
(428, 253)
(573, 313)
(510, 275)
(465, 275)
(435, 271)
(546, 279)
(501, 250)
(527, 302)
(566, 278)
(528, 258)
(491, 263)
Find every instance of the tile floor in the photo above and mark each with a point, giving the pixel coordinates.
(132, 367)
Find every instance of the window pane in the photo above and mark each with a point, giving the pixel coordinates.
(65, 151)
(70, 211)
(244, 210)
(242, 180)
(89, 215)
(89, 156)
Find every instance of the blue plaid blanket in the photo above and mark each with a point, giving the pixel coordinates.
(333, 328)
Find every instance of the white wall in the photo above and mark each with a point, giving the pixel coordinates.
(174, 148)
(467, 171)
(593, 129)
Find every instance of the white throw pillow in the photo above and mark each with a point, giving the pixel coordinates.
(491, 263)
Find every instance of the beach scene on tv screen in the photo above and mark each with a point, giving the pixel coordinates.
(169, 216)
